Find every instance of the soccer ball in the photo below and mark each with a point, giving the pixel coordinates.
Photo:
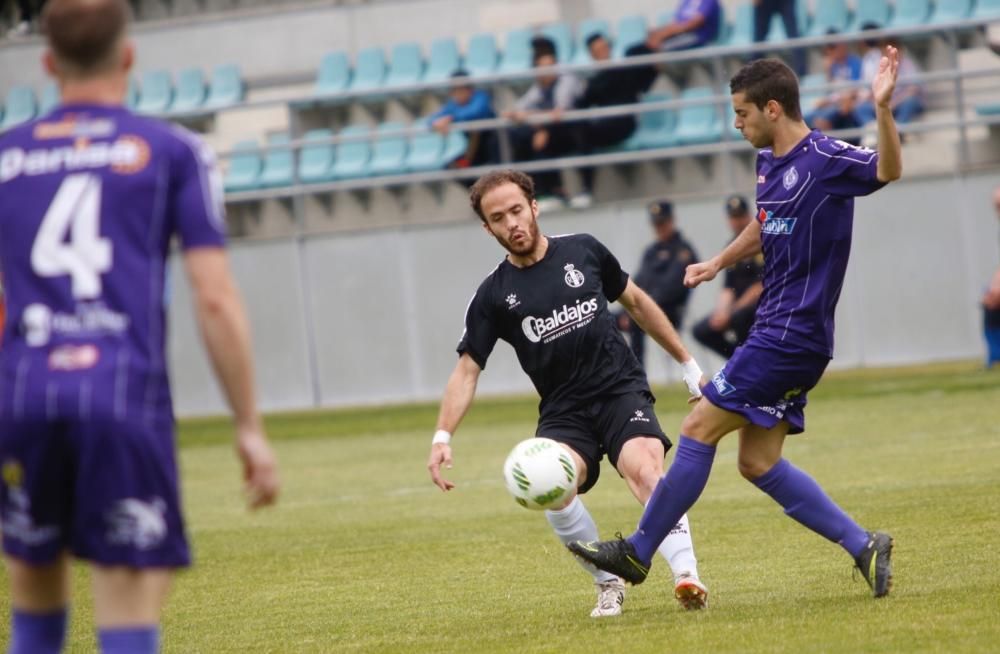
(540, 474)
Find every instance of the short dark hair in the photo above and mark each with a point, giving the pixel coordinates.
(542, 45)
(83, 33)
(764, 80)
(594, 37)
(492, 180)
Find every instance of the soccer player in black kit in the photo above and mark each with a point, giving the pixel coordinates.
(549, 300)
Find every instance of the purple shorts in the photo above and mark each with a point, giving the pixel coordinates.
(106, 490)
(766, 384)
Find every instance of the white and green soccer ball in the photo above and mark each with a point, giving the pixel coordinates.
(540, 474)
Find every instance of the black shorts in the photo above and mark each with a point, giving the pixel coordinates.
(603, 427)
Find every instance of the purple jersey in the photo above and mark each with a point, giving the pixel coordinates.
(805, 203)
(90, 197)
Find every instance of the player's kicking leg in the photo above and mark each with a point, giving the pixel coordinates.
(640, 462)
(573, 522)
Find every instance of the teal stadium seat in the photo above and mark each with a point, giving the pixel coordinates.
(334, 74)
(426, 152)
(742, 28)
(389, 151)
(244, 167)
(516, 55)
(444, 60)
(352, 156)
(986, 9)
(830, 14)
(456, 144)
(19, 107)
(810, 93)
(316, 159)
(952, 10)
(369, 70)
(583, 32)
(49, 99)
(870, 11)
(226, 88)
(562, 36)
(655, 129)
(698, 123)
(278, 168)
(481, 56)
(406, 66)
(988, 110)
(910, 12)
(156, 92)
(190, 90)
(132, 93)
(631, 31)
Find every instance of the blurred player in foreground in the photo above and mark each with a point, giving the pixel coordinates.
(92, 196)
(806, 184)
(549, 300)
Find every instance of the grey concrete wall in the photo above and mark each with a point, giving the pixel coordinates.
(387, 305)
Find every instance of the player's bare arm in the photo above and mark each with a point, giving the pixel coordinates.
(226, 333)
(458, 394)
(890, 153)
(747, 244)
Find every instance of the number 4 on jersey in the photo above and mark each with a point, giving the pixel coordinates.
(75, 209)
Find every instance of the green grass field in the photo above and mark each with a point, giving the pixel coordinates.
(365, 555)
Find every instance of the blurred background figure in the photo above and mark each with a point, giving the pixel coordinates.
(991, 306)
(764, 11)
(661, 273)
(28, 11)
(696, 23)
(836, 109)
(727, 326)
(907, 99)
(466, 103)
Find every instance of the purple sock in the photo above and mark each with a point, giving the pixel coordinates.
(675, 493)
(129, 640)
(806, 502)
(34, 633)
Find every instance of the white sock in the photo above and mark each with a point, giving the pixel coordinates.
(678, 550)
(574, 523)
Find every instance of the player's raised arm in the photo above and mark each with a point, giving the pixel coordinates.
(226, 333)
(458, 394)
(746, 245)
(890, 152)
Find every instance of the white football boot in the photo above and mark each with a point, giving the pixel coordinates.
(610, 595)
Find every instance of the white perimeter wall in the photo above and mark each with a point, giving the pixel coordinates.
(386, 306)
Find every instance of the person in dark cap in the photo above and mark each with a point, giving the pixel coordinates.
(728, 325)
(661, 273)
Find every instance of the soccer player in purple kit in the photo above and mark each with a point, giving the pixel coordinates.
(90, 197)
(806, 185)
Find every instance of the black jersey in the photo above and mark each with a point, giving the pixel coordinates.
(555, 315)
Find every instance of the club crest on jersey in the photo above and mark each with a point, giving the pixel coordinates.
(775, 225)
(574, 277)
(790, 179)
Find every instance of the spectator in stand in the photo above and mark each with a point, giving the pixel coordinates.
(729, 324)
(551, 95)
(991, 306)
(466, 103)
(763, 11)
(27, 11)
(696, 23)
(836, 110)
(908, 98)
(608, 88)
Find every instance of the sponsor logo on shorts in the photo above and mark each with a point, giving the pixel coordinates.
(722, 385)
(561, 322)
(639, 416)
(137, 523)
(17, 522)
(776, 225)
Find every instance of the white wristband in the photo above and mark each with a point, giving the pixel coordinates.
(441, 436)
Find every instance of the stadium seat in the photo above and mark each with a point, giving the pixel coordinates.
(316, 159)
(334, 74)
(830, 14)
(516, 55)
(352, 156)
(278, 164)
(946, 12)
(481, 57)
(456, 144)
(244, 167)
(132, 93)
(910, 12)
(698, 123)
(655, 128)
(389, 151)
(562, 36)
(190, 90)
(631, 31)
(870, 11)
(986, 9)
(155, 92)
(19, 107)
(426, 152)
(988, 109)
(742, 28)
(583, 32)
(226, 87)
(444, 60)
(49, 98)
(406, 66)
(810, 94)
(369, 70)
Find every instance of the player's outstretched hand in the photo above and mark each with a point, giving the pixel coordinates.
(440, 455)
(884, 82)
(260, 468)
(703, 271)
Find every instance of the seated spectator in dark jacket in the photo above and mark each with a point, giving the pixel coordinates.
(696, 23)
(465, 104)
(836, 110)
(608, 88)
(729, 324)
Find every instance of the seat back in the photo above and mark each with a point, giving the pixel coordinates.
(444, 60)
(334, 74)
